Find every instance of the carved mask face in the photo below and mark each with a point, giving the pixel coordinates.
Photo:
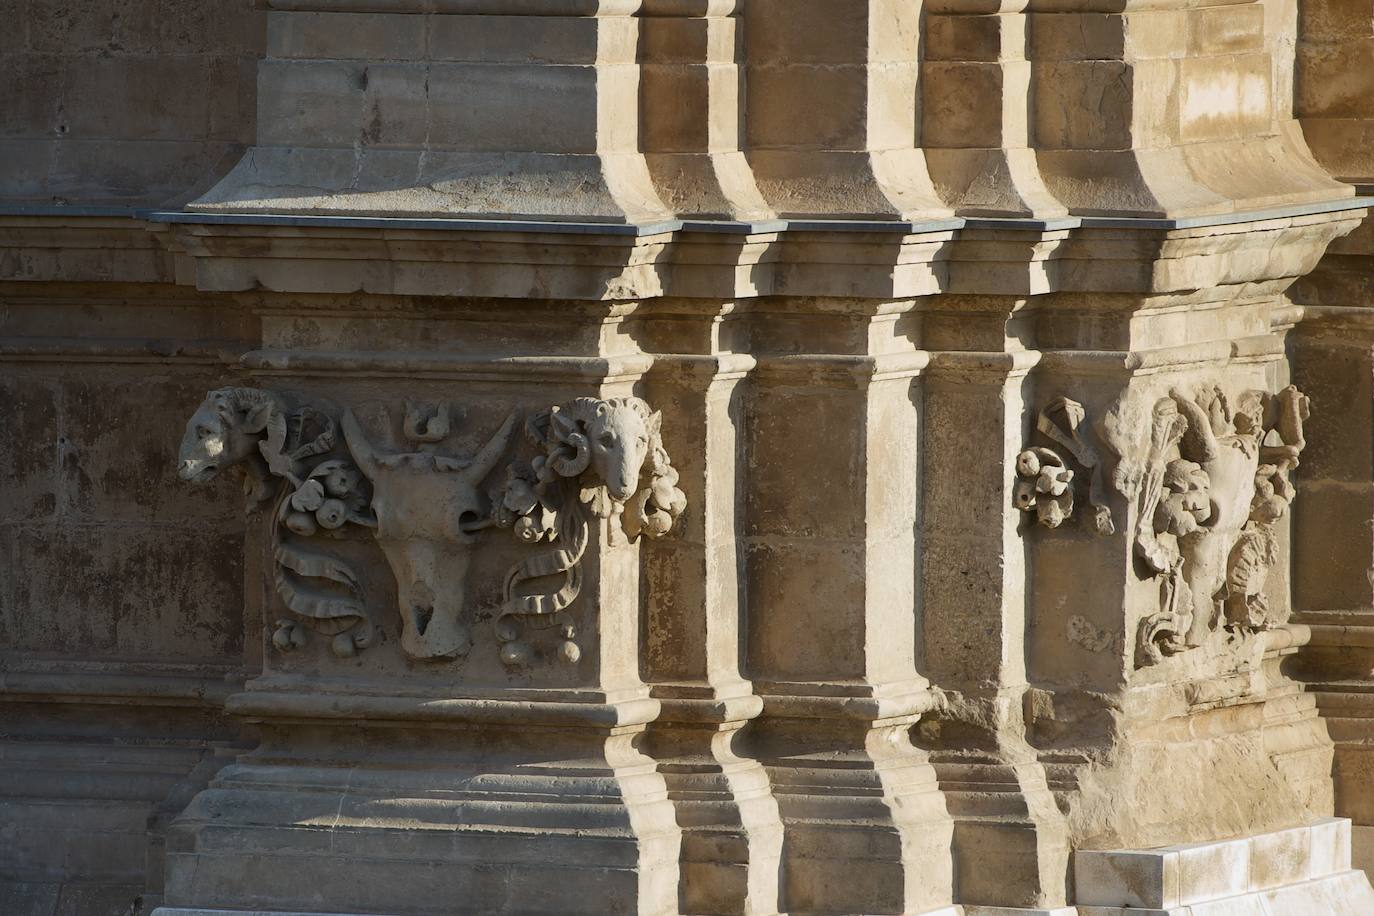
(619, 442)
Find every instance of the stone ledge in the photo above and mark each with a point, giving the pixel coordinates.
(1239, 873)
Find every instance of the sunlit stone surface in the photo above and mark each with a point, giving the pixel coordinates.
(734, 457)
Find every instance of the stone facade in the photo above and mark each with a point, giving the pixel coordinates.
(646, 457)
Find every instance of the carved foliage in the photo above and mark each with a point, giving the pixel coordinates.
(602, 459)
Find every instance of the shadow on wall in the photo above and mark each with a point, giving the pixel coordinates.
(126, 102)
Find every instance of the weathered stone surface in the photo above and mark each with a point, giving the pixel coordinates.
(685, 456)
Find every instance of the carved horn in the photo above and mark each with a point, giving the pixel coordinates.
(358, 446)
(486, 459)
(564, 431)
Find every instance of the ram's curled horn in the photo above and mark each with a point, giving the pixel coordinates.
(486, 459)
(358, 446)
(566, 432)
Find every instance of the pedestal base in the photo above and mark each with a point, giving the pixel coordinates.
(1301, 871)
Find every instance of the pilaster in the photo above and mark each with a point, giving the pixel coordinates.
(692, 109)
(732, 834)
(832, 109)
(829, 527)
(975, 110)
(450, 705)
(1010, 839)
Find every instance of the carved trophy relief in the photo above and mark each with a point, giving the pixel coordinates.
(601, 459)
(1210, 481)
(1044, 479)
(284, 452)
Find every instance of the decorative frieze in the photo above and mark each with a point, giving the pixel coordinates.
(601, 460)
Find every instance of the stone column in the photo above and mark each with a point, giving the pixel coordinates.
(975, 110)
(829, 525)
(832, 111)
(692, 109)
(407, 108)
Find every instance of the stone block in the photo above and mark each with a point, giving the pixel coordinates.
(30, 898)
(1208, 871)
(1082, 105)
(966, 38)
(35, 99)
(396, 105)
(961, 104)
(1224, 97)
(140, 98)
(310, 103)
(786, 577)
(800, 106)
(31, 457)
(1077, 37)
(345, 36)
(1231, 29)
(1331, 846)
(28, 167)
(533, 40)
(1127, 878)
(1330, 80)
(127, 588)
(491, 108)
(1279, 858)
(1336, 21)
(806, 32)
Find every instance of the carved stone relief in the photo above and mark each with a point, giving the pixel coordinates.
(1044, 479)
(599, 459)
(429, 511)
(1209, 482)
(284, 453)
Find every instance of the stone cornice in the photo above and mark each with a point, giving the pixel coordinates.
(521, 259)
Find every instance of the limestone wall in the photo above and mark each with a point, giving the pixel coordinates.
(748, 456)
(129, 102)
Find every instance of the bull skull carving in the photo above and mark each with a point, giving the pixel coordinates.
(428, 511)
